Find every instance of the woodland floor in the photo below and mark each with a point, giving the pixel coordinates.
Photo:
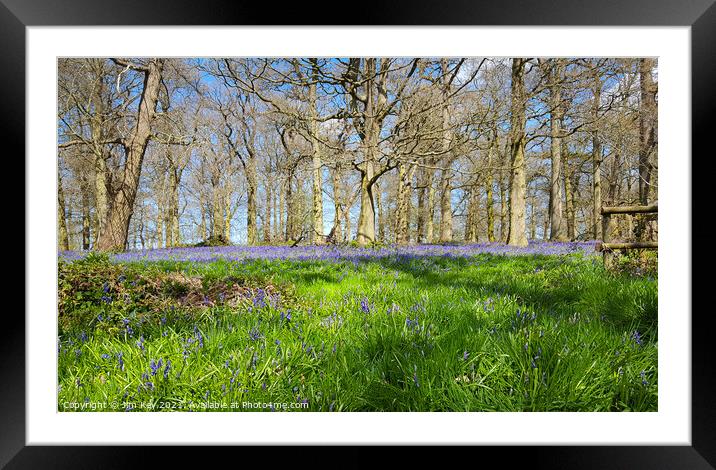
(412, 330)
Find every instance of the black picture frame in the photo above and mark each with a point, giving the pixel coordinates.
(700, 15)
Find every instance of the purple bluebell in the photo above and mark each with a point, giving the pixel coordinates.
(254, 334)
(637, 338)
(155, 366)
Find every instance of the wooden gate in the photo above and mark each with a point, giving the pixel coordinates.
(607, 247)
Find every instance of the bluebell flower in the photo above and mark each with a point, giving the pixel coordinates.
(167, 368)
(637, 338)
(254, 334)
(155, 366)
(199, 336)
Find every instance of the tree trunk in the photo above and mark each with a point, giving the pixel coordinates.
(176, 232)
(275, 228)
(101, 196)
(377, 190)
(596, 162)
(570, 207)
(647, 140)
(471, 227)
(489, 202)
(172, 209)
(422, 209)
(63, 240)
(217, 209)
(366, 219)
(338, 204)
(281, 227)
(533, 217)
(371, 130)
(159, 227)
(202, 226)
(518, 184)
(267, 214)
(647, 128)
(101, 180)
(504, 229)
(347, 215)
(141, 230)
(227, 210)
(446, 224)
(557, 226)
(119, 214)
(251, 183)
(85, 216)
(317, 235)
(430, 217)
(404, 192)
(290, 207)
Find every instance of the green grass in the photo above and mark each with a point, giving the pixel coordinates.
(489, 333)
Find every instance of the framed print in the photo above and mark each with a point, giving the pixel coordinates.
(408, 233)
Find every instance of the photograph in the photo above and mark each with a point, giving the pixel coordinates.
(357, 234)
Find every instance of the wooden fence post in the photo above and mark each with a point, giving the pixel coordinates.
(608, 248)
(607, 254)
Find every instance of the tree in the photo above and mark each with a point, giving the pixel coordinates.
(518, 185)
(557, 226)
(121, 202)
